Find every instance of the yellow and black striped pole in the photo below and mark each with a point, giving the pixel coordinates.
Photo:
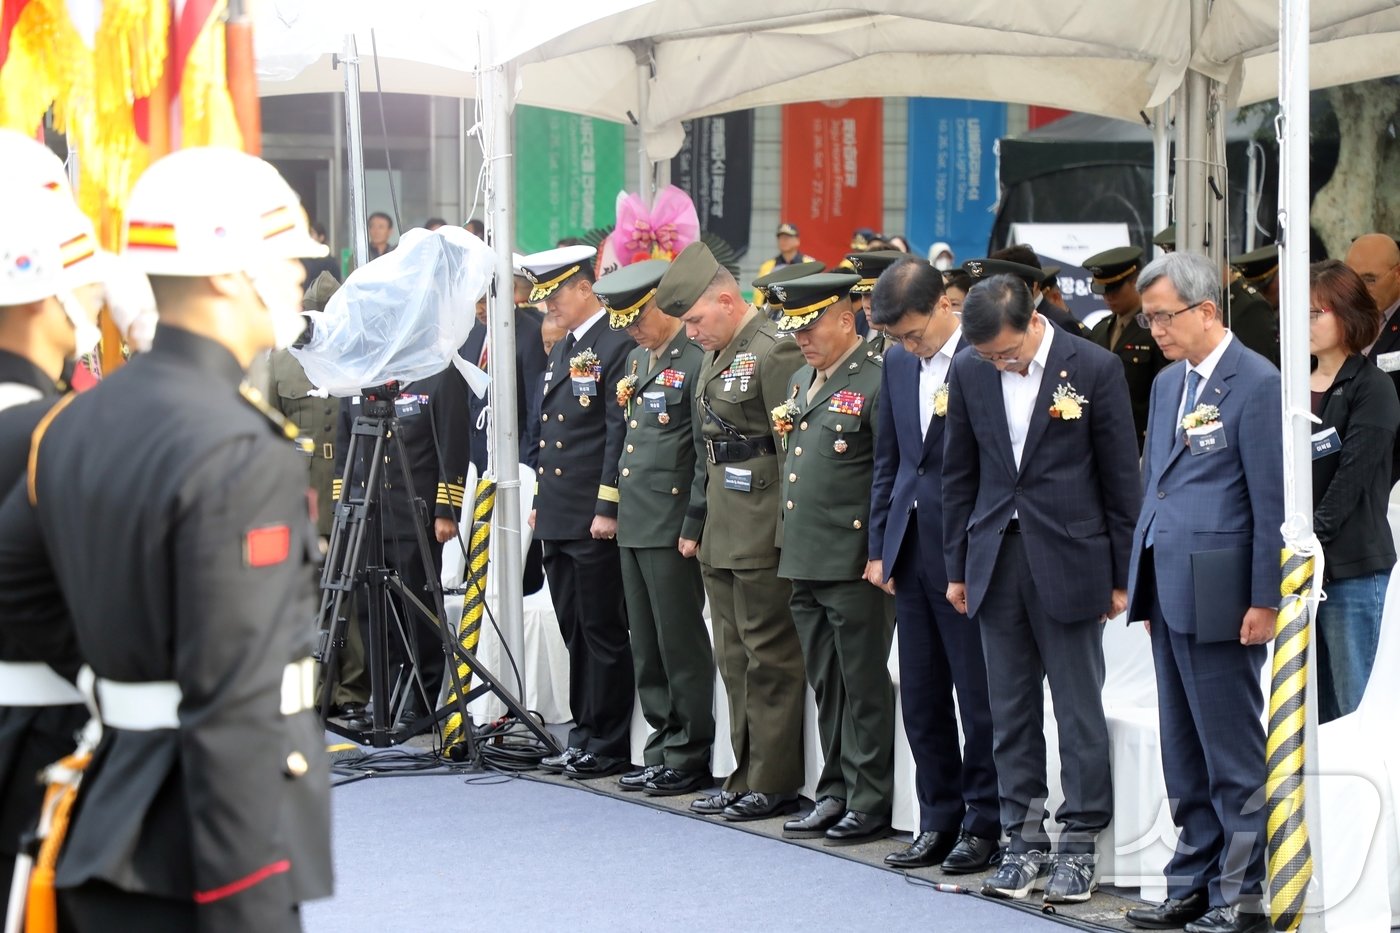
(473, 608)
(1290, 852)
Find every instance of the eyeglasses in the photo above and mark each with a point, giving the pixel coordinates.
(1315, 313)
(912, 338)
(1163, 319)
(1007, 359)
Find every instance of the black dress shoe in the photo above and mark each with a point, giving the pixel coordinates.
(971, 855)
(756, 806)
(557, 763)
(672, 782)
(637, 778)
(1172, 913)
(714, 804)
(825, 814)
(1229, 920)
(857, 827)
(592, 765)
(347, 711)
(926, 849)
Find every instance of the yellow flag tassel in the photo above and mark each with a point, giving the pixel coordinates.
(47, 65)
(207, 116)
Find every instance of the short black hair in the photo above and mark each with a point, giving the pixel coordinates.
(908, 285)
(475, 227)
(959, 279)
(1019, 253)
(387, 219)
(568, 241)
(432, 223)
(994, 304)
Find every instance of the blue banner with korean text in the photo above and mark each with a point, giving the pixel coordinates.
(953, 174)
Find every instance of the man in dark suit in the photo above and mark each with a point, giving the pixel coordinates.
(1115, 277)
(1376, 258)
(530, 363)
(1022, 262)
(575, 516)
(939, 651)
(1248, 315)
(1215, 490)
(1040, 492)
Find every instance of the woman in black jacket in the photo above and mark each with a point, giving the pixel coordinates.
(1352, 451)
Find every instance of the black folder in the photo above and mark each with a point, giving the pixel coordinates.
(1221, 580)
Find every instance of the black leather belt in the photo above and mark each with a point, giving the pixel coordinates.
(1013, 527)
(734, 451)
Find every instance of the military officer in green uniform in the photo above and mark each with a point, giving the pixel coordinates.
(1249, 315)
(317, 416)
(764, 301)
(745, 375)
(1115, 274)
(868, 267)
(828, 428)
(661, 501)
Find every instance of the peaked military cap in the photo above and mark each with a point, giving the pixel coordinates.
(319, 292)
(1166, 237)
(1258, 266)
(551, 268)
(806, 299)
(869, 266)
(683, 284)
(986, 268)
(785, 273)
(1113, 267)
(1052, 276)
(626, 292)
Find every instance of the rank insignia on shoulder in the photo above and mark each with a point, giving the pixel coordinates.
(672, 378)
(847, 402)
(267, 546)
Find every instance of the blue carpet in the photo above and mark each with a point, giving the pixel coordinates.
(438, 853)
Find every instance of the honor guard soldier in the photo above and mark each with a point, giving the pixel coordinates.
(828, 427)
(869, 267)
(1249, 317)
(661, 490)
(1260, 269)
(1050, 288)
(746, 373)
(581, 431)
(1025, 267)
(763, 298)
(1115, 278)
(50, 294)
(185, 563)
(789, 254)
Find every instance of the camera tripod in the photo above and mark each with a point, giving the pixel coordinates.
(355, 560)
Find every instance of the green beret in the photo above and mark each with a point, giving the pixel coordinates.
(683, 284)
(806, 299)
(626, 292)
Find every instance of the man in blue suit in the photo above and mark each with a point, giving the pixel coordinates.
(1205, 575)
(1040, 493)
(959, 825)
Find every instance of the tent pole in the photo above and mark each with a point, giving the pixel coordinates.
(354, 143)
(645, 169)
(1294, 259)
(1191, 146)
(1161, 169)
(495, 83)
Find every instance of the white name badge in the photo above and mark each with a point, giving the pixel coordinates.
(654, 401)
(1206, 439)
(1326, 443)
(1389, 362)
(738, 480)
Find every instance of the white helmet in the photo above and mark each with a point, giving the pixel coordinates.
(30, 163)
(212, 211)
(49, 250)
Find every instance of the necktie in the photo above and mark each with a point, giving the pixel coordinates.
(1193, 385)
(1120, 324)
(569, 342)
(816, 386)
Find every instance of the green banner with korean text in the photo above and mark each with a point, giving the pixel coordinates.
(568, 171)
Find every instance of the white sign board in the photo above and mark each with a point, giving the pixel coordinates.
(1070, 243)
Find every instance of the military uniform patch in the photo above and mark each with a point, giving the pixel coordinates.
(671, 378)
(847, 402)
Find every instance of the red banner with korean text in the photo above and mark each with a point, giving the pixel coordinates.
(833, 173)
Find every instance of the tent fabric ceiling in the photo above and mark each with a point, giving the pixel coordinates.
(1085, 55)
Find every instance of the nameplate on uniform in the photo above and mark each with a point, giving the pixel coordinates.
(408, 405)
(1206, 439)
(1389, 362)
(654, 401)
(738, 480)
(584, 386)
(1326, 443)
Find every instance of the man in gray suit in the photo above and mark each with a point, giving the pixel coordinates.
(1205, 575)
(1040, 474)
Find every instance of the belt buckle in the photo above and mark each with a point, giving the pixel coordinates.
(710, 450)
(327, 451)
